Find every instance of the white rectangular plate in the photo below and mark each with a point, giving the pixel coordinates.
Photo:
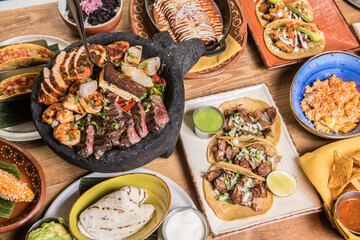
(304, 201)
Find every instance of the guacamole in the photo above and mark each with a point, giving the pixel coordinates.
(51, 231)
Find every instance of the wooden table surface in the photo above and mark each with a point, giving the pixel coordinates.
(249, 70)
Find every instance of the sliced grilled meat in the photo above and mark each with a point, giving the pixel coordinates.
(120, 84)
(115, 51)
(140, 120)
(259, 191)
(266, 118)
(263, 169)
(255, 205)
(220, 185)
(98, 53)
(66, 67)
(211, 176)
(219, 150)
(264, 8)
(236, 196)
(86, 146)
(156, 114)
(130, 136)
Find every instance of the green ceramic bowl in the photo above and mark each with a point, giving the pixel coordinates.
(158, 195)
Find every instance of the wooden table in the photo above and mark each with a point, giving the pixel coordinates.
(249, 70)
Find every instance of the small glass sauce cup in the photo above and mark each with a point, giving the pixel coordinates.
(203, 134)
(180, 209)
(344, 197)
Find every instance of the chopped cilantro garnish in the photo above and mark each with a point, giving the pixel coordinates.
(263, 119)
(271, 135)
(103, 115)
(77, 99)
(130, 54)
(95, 124)
(115, 125)
(70, 137)
(91, 102)
(82, 65)
(143, 64)
(268, 163)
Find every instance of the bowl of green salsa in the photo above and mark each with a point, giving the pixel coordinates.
(208, 120)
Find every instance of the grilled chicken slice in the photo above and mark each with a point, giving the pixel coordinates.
(98, 53)
(82, 65)
(66, 67)
(115, 51)
(49, 88)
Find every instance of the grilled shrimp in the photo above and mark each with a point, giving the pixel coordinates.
(72, 103)
(67, 135)
(50, 113)
(93, 103)
(64, 116)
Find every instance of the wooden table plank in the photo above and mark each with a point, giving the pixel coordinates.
(249, 70)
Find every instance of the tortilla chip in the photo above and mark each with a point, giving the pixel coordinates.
(349, 188)
(355, 180)
(356, 158)
(340, 174)
(355, 171)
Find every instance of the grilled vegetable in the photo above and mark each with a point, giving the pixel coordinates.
(7, 207)
(13, 189)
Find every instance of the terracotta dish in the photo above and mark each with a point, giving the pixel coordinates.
(92, 30)
(337, 33)
(32, 174)
(141, 25)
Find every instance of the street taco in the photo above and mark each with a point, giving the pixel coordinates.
(23, 55)
(235, 193)
(268, 11)
(258, 156)
(293, 39)
(250, 118)
(17, 85)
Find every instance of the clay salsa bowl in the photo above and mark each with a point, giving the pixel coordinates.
(176, 60)
(92, 30)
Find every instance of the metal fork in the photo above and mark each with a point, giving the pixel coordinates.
(75, 10)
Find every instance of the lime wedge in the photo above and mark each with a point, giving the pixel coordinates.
(281, 183)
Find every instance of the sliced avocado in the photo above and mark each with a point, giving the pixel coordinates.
(303, 16)
(314, 36)
(275, 1)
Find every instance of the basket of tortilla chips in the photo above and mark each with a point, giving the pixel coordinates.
(334, 169)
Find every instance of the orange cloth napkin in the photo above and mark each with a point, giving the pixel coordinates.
(317, 166)
(232, 48)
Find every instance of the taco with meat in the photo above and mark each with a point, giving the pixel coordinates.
(269, 11)
(17, 85)
(250, 118)
(258, 156)
(23, 55)
(235, 193)
(293, 39)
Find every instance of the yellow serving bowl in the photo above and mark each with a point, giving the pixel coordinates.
(158, 195)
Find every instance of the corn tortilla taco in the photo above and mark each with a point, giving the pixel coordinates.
(17, 85)
(235, 193)
(250, 118)
(268, 11)
(258, 156)
(23, 55)
(293, 39)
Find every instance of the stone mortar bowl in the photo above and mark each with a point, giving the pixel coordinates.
(177, 59)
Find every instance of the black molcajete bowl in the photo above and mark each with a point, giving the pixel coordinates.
(177, 59)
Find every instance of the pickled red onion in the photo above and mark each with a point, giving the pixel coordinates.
(89, 6)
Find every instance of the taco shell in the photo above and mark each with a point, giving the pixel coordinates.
(251, 105)
(315, 49)
(28, 78)
(20, 62)
(241, 143)
(265, 22)
(227, 211)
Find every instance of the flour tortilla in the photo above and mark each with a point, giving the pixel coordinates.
(240, 143)
(265, 22)
(23, 61)
(251, 105)
(227, 211)
(121, 219)
(316, 49)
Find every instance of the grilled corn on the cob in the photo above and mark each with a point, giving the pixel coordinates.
(12, 189)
